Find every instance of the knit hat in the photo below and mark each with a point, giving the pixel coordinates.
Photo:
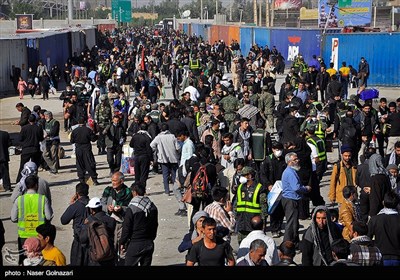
(345, 149)
(392, 166)
(198, 215)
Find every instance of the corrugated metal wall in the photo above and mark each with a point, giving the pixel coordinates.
(55, 50)
(291, 42)
(223, 33)
(13, 52)
(262, 37)
(186, 28)
(77, 41)
(90, 37)
(234, 34)
(381, 50)
(214, 34)
(246, 39)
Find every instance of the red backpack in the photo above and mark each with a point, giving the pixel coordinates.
(200, 185)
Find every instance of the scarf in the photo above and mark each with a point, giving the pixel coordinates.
(246, 144)
(375, 165)
(392, 158)
(315, 231)
(144, 132)
(141, 202)
(388, 211)
(30, 168)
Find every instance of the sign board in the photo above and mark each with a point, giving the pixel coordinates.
(287, 4)
(24, 21)
(121, 10)
(335, 53)
(345, 13)
(307, 14)
(274, 196)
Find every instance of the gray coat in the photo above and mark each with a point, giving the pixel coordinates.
(166, 147)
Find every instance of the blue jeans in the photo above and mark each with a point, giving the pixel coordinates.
(168, 168)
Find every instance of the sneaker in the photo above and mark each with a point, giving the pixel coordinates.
(181, 212)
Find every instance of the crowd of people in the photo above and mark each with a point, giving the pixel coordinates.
(221, 145)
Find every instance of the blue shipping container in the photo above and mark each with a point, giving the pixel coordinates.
(291, 42)
(246, 39)
(186, 28)
(262, 37)
(379, 49)
(54, 49)
(199, 29)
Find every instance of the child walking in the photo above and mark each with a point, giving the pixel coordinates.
(21, 87)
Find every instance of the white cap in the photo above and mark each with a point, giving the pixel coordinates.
(94, 203)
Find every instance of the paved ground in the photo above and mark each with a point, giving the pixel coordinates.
(171, 228)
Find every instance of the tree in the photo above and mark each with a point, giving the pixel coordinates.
(19, 7)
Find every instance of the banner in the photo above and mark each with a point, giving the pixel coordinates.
(287, 4)
(24, 21)
(344, 13)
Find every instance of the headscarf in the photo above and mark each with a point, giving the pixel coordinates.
(375, 165)
(195, 218)
(30, 168)
(32, 247)
(315, 232)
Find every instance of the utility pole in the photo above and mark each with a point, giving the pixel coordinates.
(255, 12)
(70, 10)
(267, 13)
(272, 13)
(201, 10)
(260, 6)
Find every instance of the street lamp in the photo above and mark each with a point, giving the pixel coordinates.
(240, 15)
(206, 13)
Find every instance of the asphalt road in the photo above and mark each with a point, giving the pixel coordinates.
(171, 228)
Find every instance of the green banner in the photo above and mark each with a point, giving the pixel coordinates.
(121, 10)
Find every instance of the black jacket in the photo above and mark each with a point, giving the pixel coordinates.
(30, 137)
(5, 142)
(140, 143)
(140, 224)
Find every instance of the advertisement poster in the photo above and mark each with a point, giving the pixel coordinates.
(287, 4)
(344, 13)
(24, 21)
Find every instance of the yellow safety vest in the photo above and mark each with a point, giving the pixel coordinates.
(320, 145)
(30, 214)
(248, 206)
(194, 64)
(319, 132)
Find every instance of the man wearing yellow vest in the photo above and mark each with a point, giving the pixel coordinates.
(29, 211)
(319, 163)
(250, 201)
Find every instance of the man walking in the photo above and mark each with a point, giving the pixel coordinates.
(167, 148)
(114, 139)
(81, 137)
(52, 137)
(140, 228)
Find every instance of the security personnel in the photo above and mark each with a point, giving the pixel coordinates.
(103, 119)
(251, 198)
(319, 164)
(194, 66)
(29, 211)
